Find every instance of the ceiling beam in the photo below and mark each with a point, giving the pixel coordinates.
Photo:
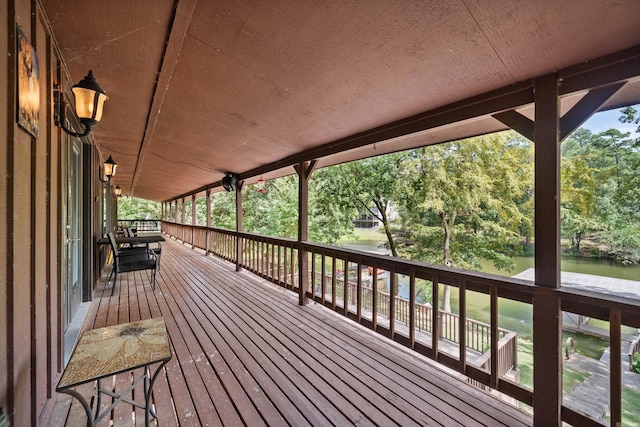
(617, 67)
(176, 37)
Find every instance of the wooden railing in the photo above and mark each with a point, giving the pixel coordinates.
(277, 260)
(141, 224)
(478, 333)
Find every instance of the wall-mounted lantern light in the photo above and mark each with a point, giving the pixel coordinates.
(108, 170)
(89, 100)
(229, 181)
(117, 191)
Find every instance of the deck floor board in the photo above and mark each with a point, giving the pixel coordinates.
(245, 353)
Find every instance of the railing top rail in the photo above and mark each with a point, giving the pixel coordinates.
(403, 266)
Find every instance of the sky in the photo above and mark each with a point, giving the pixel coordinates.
(601, 122)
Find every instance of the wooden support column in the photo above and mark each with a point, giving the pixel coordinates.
(183, 218)
(207, 244)
(304, 170)
(194, 221)
(547, 315)
(239, 227)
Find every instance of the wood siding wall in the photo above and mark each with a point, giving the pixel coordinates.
(30, 228)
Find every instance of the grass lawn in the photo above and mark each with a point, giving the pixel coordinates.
(630, 407)
(376, 234)
(571, 377)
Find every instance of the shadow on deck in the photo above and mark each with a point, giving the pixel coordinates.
(245, 353)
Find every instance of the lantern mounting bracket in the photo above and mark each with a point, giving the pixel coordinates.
(59, 116)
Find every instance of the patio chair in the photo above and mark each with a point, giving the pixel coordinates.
(156, 248)
(132, 259)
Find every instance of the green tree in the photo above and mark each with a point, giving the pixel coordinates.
(135, 208)
(368, 185)
(275, 211)
(616, 151)
(331, 212)
(578, 192)
(601, 191)
(201, 210)
(223, 210)
(460, 204)
(630, 115)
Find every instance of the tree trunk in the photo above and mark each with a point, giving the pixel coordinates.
(447, 225)
(387, 230)
(392, 244)
(446, 299)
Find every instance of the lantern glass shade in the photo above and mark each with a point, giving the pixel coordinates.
(118, 191)
(90, 99)
(89, 103)
(110, 167)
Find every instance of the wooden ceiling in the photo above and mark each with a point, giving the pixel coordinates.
(199, 88)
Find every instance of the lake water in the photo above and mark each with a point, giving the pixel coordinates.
(594, 266)
(514, 315)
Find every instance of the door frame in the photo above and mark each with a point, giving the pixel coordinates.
(72, 190)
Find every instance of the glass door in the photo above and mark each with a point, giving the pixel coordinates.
(72, 285)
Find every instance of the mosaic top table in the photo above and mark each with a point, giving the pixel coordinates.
(105, 352)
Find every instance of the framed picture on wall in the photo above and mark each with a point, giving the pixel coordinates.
(28, 85)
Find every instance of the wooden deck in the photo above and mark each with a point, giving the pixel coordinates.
(245, 353)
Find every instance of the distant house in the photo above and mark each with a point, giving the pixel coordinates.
(367, 220)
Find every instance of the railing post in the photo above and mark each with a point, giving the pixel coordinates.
(182, 219)
(207, 243)
(615, 367)
(239, 225)
(412, 309)
(462, 329)
(435, 317)
(194, 221)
